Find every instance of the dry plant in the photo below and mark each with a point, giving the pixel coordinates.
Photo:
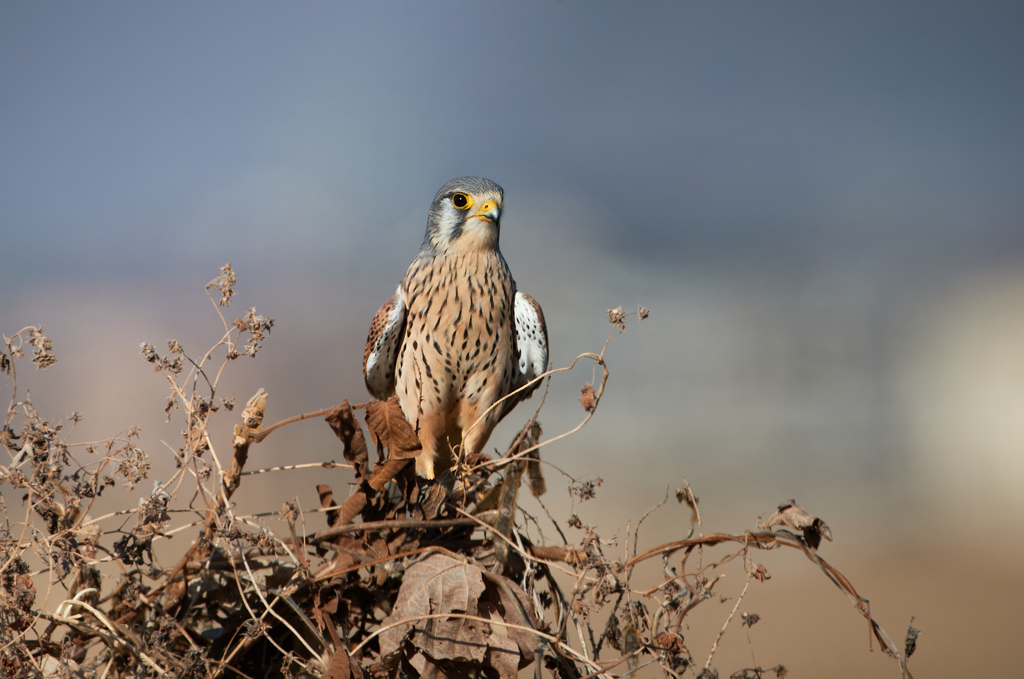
(406, 577)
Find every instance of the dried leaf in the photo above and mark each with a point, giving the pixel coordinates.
(252, 416)
(526, 439)
(516, 609)
(535, 474)
(670, 642)
(433, 500)
(442, 584)
(792, 515)
(383, 473)
(339, 667)
(326, 495)
(630, 643)
(761, 573)
(675, 652)
(343, 422)
(351, 507)
(438, 584)
(502, 652)
(389, 428)
(350, 552)
(588, 397)
(910, 643)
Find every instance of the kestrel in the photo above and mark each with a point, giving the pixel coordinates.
(457, 336)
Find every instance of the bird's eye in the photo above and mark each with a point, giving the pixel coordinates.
(461, 201)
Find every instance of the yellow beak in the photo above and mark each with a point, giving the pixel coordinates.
(489, 210)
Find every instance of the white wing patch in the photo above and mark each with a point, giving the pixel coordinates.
(531, 344)
(381, 352)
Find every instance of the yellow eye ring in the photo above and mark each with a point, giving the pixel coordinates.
(462, 201)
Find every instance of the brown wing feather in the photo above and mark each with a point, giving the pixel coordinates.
(381, 351)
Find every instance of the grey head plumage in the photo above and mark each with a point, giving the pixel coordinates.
(462, 205)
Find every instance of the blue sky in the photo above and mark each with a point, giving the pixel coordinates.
(786, 127)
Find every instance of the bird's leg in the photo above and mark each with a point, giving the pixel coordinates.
(429, 440)
(474, 433)
(425, 465)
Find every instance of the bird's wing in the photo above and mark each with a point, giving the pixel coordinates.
(531, 348)
(382, 345)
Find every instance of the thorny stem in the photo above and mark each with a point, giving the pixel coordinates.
(721, 632)
(270, 609)
(636, 531)
(216, 307)
(14, 370)
(257, 437)
(370, 526)
(267, 608)
(119, 634)
(597, 400)
(522, 552)
(609, 664)
(750, 645)
(24, 529)
(310, 465)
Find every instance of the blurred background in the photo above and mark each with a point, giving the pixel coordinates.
(822, 206)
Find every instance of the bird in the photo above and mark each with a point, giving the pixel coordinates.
(457, 336)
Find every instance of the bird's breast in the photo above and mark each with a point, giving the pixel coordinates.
(460, 328)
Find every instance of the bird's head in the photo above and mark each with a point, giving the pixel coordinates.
(465, 216)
